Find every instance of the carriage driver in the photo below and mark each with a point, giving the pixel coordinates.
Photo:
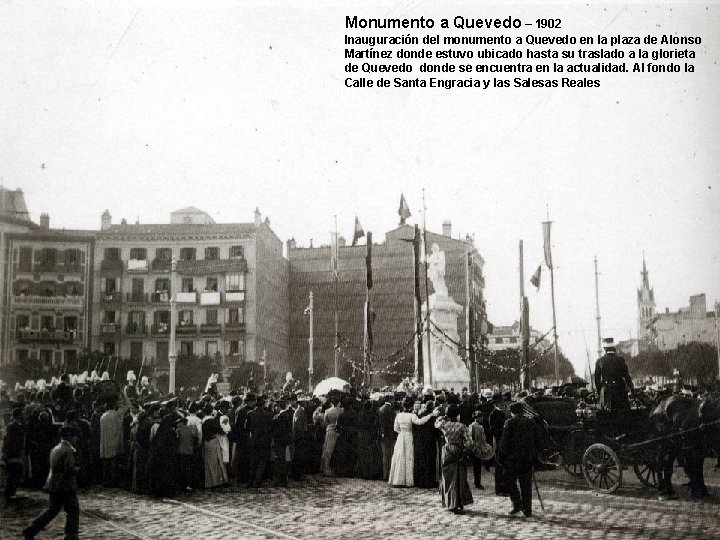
(612, 379)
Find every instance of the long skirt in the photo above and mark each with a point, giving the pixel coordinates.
(454, 488)
(327, 451)
(403, 461)
(215, 472)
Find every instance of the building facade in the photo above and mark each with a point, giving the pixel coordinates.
(509, 337)
(392, 300)
(666, 330)
(231, 287)
(49, 294)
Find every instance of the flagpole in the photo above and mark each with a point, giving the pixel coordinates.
(552, 296)
(524, 328)
(597, 310)
(337, 276)
(427, 294)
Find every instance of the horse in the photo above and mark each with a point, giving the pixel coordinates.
(687, 428)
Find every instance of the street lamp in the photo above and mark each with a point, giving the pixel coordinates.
(309, 311)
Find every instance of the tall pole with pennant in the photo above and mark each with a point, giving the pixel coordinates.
(368, 336)
(549, 264)
(524, 327)
(597, 311)
(336, 272)
(427, 295)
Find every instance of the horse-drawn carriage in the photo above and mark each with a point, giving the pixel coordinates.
(598, 445)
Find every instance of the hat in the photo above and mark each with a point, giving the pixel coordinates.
(94, 377)
(82, 378)
(131, 378)
(41, 385)
(486, 393)
(105, 376)
(609, 343)
(144, 381)
(516, 407)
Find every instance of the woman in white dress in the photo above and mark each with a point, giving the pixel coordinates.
(403, 461)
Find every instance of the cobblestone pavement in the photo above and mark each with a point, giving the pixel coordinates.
(357, 509)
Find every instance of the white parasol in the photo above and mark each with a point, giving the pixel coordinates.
(331, 383)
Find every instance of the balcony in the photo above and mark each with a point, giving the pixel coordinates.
(111, 266)
(110, 297)
(45, 336)
(235, 296)
(136, 298)
(134, 329)
(234, 328)
(137, 265)
(72, 268)
(161, 265)
(209, 298)
(60, 301)
(161, 329)
(160, 297)
(187, 297)
(108, 329)
(185, 329)
(206, 329)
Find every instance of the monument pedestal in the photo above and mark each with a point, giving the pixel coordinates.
(448, 370)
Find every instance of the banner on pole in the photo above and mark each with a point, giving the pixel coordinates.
(546, 238)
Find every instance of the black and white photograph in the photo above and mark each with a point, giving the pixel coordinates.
(359, 270)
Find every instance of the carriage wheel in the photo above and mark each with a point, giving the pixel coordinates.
(647, 474)
(602, 469)
(574, 469)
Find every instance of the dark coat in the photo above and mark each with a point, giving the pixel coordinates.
(613, 381)
(386, 415)
(259, 425)
(518, 444)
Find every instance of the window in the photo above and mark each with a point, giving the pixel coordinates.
(185, 317)
(49, 257)
(110, 285)
(162, 317)
(162, 284)
(163, 254)
(70, 323)
(187, 285)
(25, 264)
(234, 282)
(211, 316)
(47, 323)
(211, 348)
(212, 253)
(109, 317)
(187, 254)
(211, 284)
(72, 288)
(112, 254)
(138, 289)
(46, 357)
(139, 254)
(109, 348)
(161, 351)
(23, 322)
(136, 350)
(22, 355)
(234, 347)
(136, 321)
(499, 340)
(236, 315)
(513, 340)
(186, 347)
(72, 257)
(236, 252)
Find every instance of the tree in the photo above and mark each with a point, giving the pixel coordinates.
(692, 360)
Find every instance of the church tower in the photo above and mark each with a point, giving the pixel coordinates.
(646, 310)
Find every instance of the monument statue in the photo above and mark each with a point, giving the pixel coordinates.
(448, 370)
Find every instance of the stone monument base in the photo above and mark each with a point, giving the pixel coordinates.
(448, 370)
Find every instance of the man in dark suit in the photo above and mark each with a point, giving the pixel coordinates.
(386, 413)
(300, 438)
(282, 438)
(241, 457)
(62, 486)
(517, 453)
(612, 379)
(259, 426)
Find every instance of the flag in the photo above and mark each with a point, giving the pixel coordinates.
(368, 261)
(404, 210)
(359, 232)
(546, 236)
(334, 255)
(535, 279)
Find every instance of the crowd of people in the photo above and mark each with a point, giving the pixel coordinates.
(135, 439)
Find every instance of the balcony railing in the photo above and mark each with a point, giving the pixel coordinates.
(161, 329)
(111, 266)
(46, 336)
(110, 297)
(137, 265)
(161, 265)
(234, 326)
(209, 298)
(235, 296)
(136, 298)
(185, 329)
(108, 329)
(134, 329)
(210, 328)
(187, 297)
(70, 301)
(160, 297)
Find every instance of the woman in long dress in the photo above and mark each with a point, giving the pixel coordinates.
(403, 459)
(425, 448)
(215, 472)
(454, 487)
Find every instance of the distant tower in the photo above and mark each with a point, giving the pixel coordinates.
(646, 310)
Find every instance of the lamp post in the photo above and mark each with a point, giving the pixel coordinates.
(172, 355)
(309, 311)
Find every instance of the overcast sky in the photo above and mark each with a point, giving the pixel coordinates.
(143, 108)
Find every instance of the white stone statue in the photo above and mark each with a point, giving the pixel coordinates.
(436, 270)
